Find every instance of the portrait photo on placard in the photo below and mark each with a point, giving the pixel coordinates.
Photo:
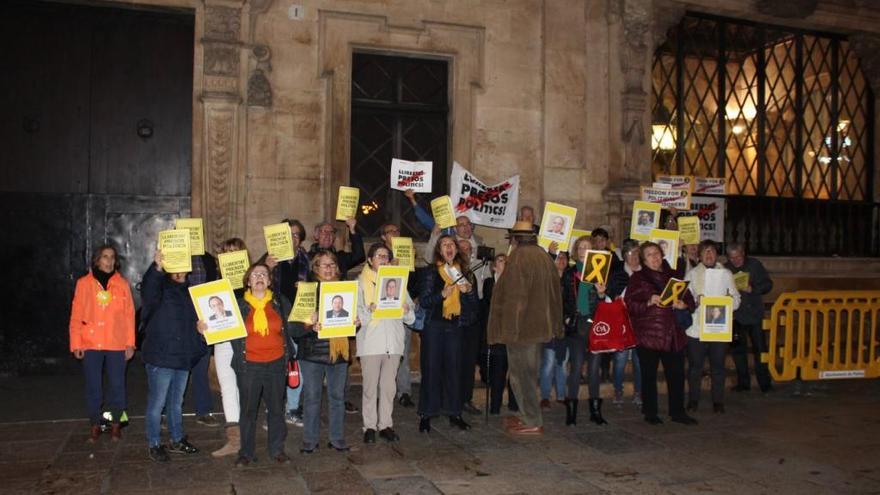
(338, 309)
(716, 315)
(217, 310)
(390, 289)
(556, 226)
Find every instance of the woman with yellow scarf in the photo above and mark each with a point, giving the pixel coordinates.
(260, 364)
(380, 347)
(320, 359)
(450, 301)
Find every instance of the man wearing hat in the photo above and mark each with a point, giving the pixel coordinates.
(526, 312)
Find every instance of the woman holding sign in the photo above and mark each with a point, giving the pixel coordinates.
(450, 301)
(659, 338)
(260, 364)
(579, 300)
(319, 359)
(380, 346)
(102, 334)
(709, 278)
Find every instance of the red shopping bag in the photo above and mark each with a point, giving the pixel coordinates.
(611, 330)
(292, 373)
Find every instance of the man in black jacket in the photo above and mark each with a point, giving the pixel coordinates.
(747, 319)
(325, 239)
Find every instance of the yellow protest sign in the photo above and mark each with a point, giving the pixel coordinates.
(404, 252)
(175, 248)
(645, 218)
(278, 241)
(441, 208)
(196, 234)
(347, 204)
(556, 225)
(741, 280)
(673, 291)
(689, 229)
(596, 267)
(233, 267)
(668, 242)
(338, 308)
(716, 319)
(216, 306)
(390, 292)
(577, 234)
(305, 303)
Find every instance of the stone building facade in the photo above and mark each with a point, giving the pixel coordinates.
(554, 90)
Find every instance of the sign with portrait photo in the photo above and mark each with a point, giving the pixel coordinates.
(597, 266)
(645, 218)
(716, 317)
(411, 175)
(556, 225)
(390, 292)
(668, 242)
(216, 306)
(338, 309)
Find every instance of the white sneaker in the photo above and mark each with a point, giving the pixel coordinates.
(293, 419)
(637, 399)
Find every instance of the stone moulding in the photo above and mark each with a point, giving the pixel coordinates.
(218, 175)
(342, 33)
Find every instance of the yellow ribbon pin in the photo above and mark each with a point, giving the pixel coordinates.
(598, 262)
(104, 297)
(677, 288)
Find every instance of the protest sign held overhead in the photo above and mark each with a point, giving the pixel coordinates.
(443, 211)
(233, 266)
(402, 247)
(678, 181)
(347, 204)
(411, 175)
(710, 185)
(645, 218)
(175, 248)
(667, 197)
(689, 229)
(278, 241)
(492, 206)
(196, 234)
(556, 225)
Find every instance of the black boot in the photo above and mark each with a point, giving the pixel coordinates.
(596, 412)
(571, 410)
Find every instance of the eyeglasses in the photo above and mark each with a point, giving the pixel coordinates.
(381, 256)
(259, 275)
(326, 265)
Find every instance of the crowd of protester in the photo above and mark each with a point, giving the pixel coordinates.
(452, 300)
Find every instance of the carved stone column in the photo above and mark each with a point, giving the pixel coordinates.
(217, 179)
(644, 24)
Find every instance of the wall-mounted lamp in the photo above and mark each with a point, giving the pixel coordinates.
(144, 129)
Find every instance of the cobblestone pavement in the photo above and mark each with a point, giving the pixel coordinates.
(818, 438)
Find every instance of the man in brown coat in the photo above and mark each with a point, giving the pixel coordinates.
(526, 312)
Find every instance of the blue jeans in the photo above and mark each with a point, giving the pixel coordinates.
(294, 394)
(93, 369)
(620, 359)
(166, 388)
(313, 384)
(550, 370)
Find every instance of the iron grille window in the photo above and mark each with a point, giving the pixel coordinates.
(781, 113)
(399, 109)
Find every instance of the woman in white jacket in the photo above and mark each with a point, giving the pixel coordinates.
(709, 278)
(380, 346)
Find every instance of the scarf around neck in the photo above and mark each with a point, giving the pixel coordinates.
(368, 279)
(261, 322)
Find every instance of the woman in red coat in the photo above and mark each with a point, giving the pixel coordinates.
(102, 335)
(659, 337)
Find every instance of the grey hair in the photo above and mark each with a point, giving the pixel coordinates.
(735, 246)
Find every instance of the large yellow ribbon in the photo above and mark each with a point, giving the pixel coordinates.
(597, 262)
(677, 289)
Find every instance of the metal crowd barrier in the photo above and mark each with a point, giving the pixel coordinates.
(820, 335)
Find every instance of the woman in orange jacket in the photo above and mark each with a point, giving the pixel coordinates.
(102, 334)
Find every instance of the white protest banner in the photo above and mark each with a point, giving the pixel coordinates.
(492, 206)
(678, 181)
(710, 185)
(711, 214)
(668, 197)
(411, 175)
